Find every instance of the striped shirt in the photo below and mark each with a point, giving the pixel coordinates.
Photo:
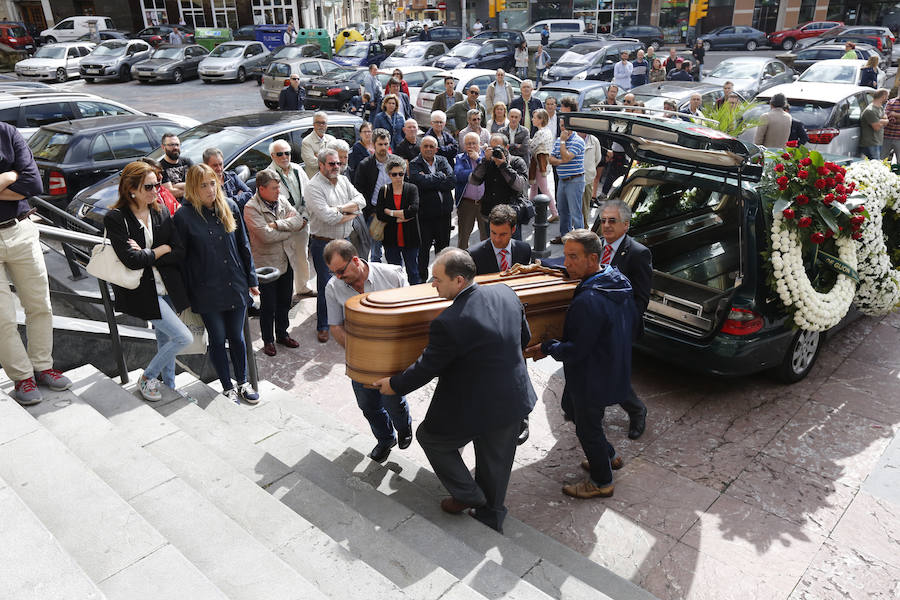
(575, 145)
(892, 129)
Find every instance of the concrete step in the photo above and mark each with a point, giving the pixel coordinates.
(114, 545)
(233, 440)
(551, 566)
(33, 565)
(486, 572)
(282, 531)
(234, 560)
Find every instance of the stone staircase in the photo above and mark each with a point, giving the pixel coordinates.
(103, 495)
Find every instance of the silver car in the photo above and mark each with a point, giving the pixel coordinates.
(278, 73)
(750, 74)
(232, 61)
(54, 61)
(114, 59)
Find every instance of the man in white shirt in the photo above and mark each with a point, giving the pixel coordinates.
(333, 203)
(314, 143)
(622, 72)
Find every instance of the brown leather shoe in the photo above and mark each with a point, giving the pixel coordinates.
(322, 335)
(615, 464)
(453, 506)
(269, 349)
(553, 219)
(585, 489)
(556, 240)
(289, 342)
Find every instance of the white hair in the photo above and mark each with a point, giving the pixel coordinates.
(321, 113)
(277, 143)
(439, 115)
(339, 145)
(411, 122)
(528, 81)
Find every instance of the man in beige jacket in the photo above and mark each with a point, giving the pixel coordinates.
(774, 126)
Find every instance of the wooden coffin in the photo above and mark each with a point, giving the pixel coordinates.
(387, 330)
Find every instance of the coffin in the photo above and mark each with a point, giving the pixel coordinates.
(387, 330)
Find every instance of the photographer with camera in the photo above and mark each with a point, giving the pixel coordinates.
(505, 179)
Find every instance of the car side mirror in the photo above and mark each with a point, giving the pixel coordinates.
(795, 77)
(243, 172)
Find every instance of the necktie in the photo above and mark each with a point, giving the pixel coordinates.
(527, 120)
(504, 263)
(607, 254)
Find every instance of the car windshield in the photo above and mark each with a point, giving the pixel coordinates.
(812, 113)
(580, 55)
(167, 53)
(227, 51)
(736, 70)
(410, 51)
(291, 52)
(195, 141)
(435, 85)
(353, 51)
(654, 101)
(50, 52)
(49, 145)
(110, 49)
(465, 50)
(542, 94)
(341, 74)
(830, 72)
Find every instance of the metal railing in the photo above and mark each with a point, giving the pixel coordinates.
(665, 113)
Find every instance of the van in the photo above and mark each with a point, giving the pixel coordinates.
(559, 28)
(72, 28)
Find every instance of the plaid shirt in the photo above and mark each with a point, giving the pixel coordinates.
(892, 108)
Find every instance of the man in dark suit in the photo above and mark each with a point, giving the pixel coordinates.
(483, 391)
(527, 104)
(433, 175)
(500, 251)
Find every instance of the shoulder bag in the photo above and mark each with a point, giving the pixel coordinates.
(376, 227)
(105, 265)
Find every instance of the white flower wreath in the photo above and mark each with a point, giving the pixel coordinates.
(879, 282)
(814, 311)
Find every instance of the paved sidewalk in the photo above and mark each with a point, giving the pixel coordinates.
(739, 489)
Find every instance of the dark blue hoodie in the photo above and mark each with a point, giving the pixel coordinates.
(596, 345)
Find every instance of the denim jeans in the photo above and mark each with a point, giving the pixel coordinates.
(227, 324)
(274, 305)
(871, 152)
(171, 337)
(384, 413)
(539, 73)
(568, 202)
(323, 275)
(410, 259)
(522, 73)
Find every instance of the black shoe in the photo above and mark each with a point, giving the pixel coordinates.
(523, 433)
(380, 452)
(405, 438)
(637, 425)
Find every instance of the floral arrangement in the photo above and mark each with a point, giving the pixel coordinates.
(815, 219)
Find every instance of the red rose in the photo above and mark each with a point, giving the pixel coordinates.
(839, 188)
(828, 199)
(788, 213)
(839, 178)
(829, 181)
(786, 156)
(855, 226)
(792, 144)
(858, 209)
(802, 174)
(779, 168)
(822, 171)
(804, 222)
(802, 199)
(820, 184)
(829, 234)
(857, 235)
(782, 181)
(851, 187)
(857, 219)
(842, 198)
(806, 162)
(817, 238)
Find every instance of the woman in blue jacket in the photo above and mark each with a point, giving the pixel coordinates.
(390, 119)
(218, 270)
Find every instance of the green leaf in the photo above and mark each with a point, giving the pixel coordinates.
(780, 205)
(826, 215)
(817, 159)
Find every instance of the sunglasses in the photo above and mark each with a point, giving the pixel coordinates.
(333, 163)
(397, 174)
(473, 93)
(284, 153)
(150, 186)
(610, 220)
(340, 272)
(295, 79)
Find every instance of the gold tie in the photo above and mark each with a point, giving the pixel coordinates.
(527, 117)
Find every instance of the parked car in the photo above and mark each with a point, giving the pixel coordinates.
(464, 78)
(247, 33)
(588, 93)
(334, 90)
(171, 63)
(879, 37)
(156, 35)
(232, 60)
(561, 46)
(243, 140)
(654, 95)
(839, 70)
(16, 36)
(30, 109)
(288, 52)
(107, 34)
(72, 28)
(513, 35)
(360, 54)
(559, 28)
(415, 77)
(71, 155)
(114, 59)
(415, 53)
(806, 57)
(449, 35)
(593, 60)
(650, 35)
(487, 54)
(830, 112)
(412, 33)
(390, 29)
(277, 76)
(696, 204)
(750, 74)
(57, 62)
(734, 36)
(788, 38)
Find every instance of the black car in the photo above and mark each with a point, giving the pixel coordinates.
(244, 141)
(449, 35)
(72, 155)
(805, 58)
(559, 47)
(334, 90)
(734, 36)
(170, 63)
(594, 60)
(157, 35)
(285, 53)
(480, 54)
(650, 35)
(513, 35)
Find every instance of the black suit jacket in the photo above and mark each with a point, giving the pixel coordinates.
(409, 204)
(486, 260)
(635, 262)
(435, 190)
(475, 349)
(364, 179)
(533, 105)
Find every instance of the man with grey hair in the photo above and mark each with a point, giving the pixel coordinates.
(292, 96)
(315, 142)
(527, 104)
(458, 114)
(293, 185)
(483, 391)
(517, 135)
(408, 147)
(233, 186)
(475, 120)
(333, 203)
(343, 150)
(433, 175)
(448, 147)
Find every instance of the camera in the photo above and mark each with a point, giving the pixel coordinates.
(497, 152)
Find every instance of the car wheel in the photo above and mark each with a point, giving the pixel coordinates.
(177, 76)
(241, 75)
(49, 40)
(125, 73)
(751, 45)
(345, 106)
(655, 44)
(788, 44)
(707, 46)
(800, 356)
(205, 80)
(89, 80)
(61, 75)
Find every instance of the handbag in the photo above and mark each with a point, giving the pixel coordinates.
(105, 265)
(194, 322)
(542, 162)
(532, 169)
(376, 229)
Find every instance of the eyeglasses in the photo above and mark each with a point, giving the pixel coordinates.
(610, 220)
(397, 174)
(320, 123)
(340, 272)
(333, 163)
(150, 186)
(172, 145)
(295, 79)
(283, 153)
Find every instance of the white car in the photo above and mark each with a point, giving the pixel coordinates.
(55, 61)
(838, 70)
(415, 77)
(69, 30)
(232, 60)
(464, 78)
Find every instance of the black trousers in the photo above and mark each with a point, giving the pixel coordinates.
(433, 231)
(274, 305)
(633, 405)
(588, 417)
(494, 454)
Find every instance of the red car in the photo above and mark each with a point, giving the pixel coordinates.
(16, 36)
(788, 37)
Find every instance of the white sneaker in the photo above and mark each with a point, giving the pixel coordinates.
(247, 392)
(232, 394)
(150, 389)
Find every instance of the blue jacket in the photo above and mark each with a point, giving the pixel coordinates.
(461, 170)
(236, 189)
(596, 345)
(218, 268)
(393, 124)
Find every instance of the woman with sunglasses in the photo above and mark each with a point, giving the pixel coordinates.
(397, 206)
(390, 120)
(218, 270)
(144, 238)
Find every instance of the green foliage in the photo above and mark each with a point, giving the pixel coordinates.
(730, 120)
